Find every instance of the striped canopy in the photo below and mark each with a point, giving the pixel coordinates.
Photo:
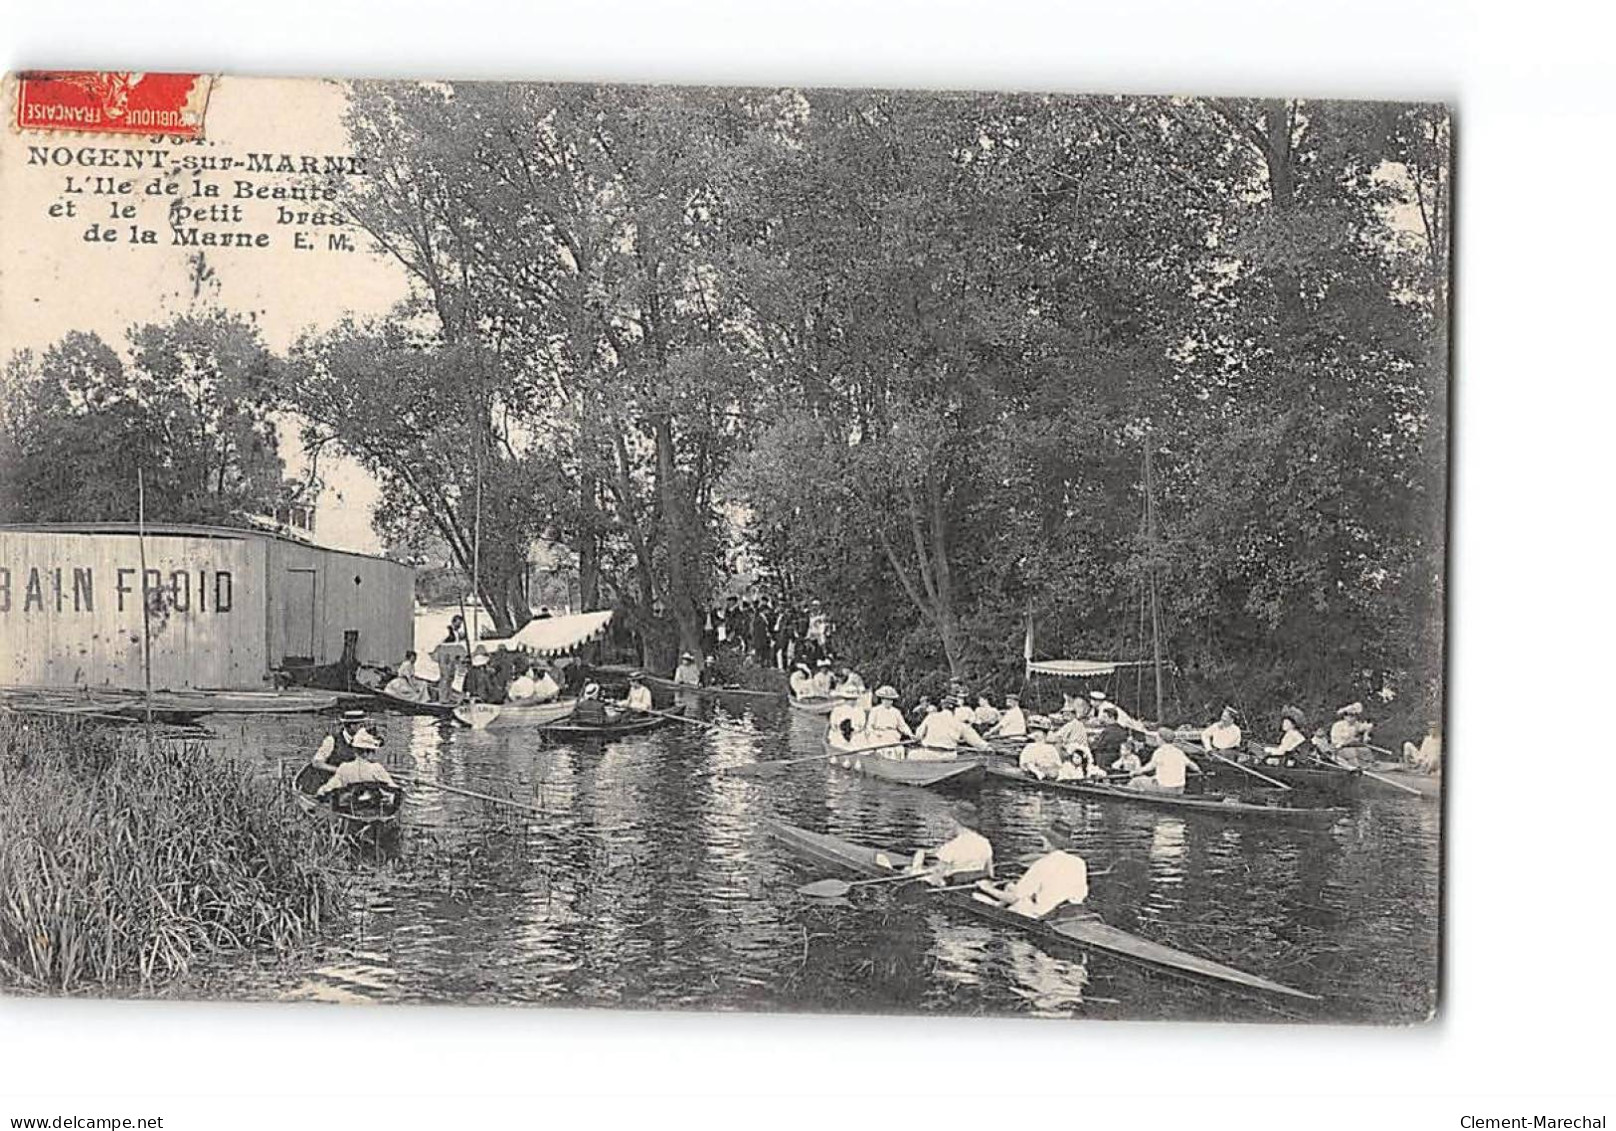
(552, 636)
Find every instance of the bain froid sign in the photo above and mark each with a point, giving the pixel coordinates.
(79, 589)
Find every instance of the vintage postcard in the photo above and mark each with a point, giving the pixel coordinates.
(722, 549)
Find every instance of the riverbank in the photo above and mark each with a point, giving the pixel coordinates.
(122, 863)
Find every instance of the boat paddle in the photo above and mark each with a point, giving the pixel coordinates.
(412, 781)
(1245, 769)
(835, 889)
(676, 717)
(1371, 774)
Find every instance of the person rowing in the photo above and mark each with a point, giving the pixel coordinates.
(941, 733)
(357, 770)
(847, 722)
(590, 711)
(885, 724)
(1039, 757)
(1012, 723)
(639, 695)
(1349, 735)
(1224, 734)
(1166, 770)
(966, 853)
(1058, 878)
(349, 739)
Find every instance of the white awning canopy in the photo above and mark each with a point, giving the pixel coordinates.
(1080, 669)
(552, 636)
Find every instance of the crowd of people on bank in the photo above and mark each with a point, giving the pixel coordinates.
(770, 633)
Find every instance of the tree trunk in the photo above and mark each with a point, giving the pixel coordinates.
(678, 521)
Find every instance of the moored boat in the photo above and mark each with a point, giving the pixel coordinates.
(818, 705)
(1224, 807)
(1077, 929)
(906, 771)
(750, 694)
(371, 807)
(510, 716)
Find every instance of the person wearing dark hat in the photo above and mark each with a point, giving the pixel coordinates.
(348, 740)
(1224, 734)
(1056, 879)
(1292, 739)
(639, 695)
(688, 673)
(1166, 770)
(966, 852)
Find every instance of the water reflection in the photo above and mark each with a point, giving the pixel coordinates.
(645, 879)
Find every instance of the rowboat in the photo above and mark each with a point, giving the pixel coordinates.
(629, 722)
(921, 772)
(370, 807)
(510, 716)
(662, 683)
(1078, 929)
(413, 706)
(818, 705)
(1336, 781)
(1429, 786)
(1225, 807)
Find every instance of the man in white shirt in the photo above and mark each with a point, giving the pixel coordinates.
(1011, 724)
(1073, 737)
(986, 715)
(1057, 879)
(1166, 770)
(1039, 757)
(1427, 757)
(966, 853)
(355, 771)
(1224, 734)
(943, 731)
(688, 673)
(1350, 728)
(885, 724)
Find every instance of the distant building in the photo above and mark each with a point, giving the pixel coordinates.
(227, 605)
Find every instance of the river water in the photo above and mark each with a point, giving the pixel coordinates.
(648, 881)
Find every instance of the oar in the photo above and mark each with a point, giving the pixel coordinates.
(472, 793)
(1245, 769)
(677, 717)
(1374, 776)
(833, 889)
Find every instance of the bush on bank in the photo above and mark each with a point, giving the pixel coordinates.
(121, 863)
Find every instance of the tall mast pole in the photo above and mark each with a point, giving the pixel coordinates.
(145, 597)
(1155, 607)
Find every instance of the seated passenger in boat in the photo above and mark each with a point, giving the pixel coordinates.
(1349, 735)
(966, 853)
(523, 686)
(802, 682)
(349, 739)
(846, 723)
(1426, 758)
(590, 711)
(1102, 702)
(1106, 742)
(986, 715)
(822, 681)
(546, 688)
(1081, 766)
(963, 711)
(1166, 770)
(355, 771)
(922, 709)
(1012, 723)
(479, 685)
(1073, 737)
(885, 724)
(639, 695)
(1057, 879)
(942, 732)
(1224, 734)
(406, 684)
(1039, 757)
(1127, 759)
(1293, 744)
(688, 673)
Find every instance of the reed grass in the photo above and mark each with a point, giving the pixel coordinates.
(121, 864)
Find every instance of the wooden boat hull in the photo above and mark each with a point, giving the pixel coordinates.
(511, 716)
(414, 706)
(1081, 930)
(619, 729)
(1342, 783)
(369, 808)
(1174, 802)
(927, 774)
(817, 706)
(1428, 785)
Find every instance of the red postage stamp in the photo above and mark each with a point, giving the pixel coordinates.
(126, 102)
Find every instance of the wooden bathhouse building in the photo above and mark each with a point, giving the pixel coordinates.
(228, 606)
